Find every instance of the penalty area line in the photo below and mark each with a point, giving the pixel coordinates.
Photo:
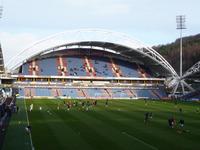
(32, 147)
(141, 141)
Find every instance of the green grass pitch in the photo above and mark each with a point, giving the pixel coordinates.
(119, 126)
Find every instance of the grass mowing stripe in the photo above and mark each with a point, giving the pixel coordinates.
(65, 136)
(123, 127)
(143, 131)
(42, 125)
(32, 147)
(105, 122)
(104, 130)
(118, 124)
(156, 110)
(88, 130)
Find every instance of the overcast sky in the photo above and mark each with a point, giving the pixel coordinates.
(150, 21)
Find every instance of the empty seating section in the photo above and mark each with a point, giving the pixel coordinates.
(119, 93)
(128, 69)
(96, 93)
(69, 93)
(76, 66)
(101, 66)
(161, 92)
(146, 93)
(48, 66)
(42, 92)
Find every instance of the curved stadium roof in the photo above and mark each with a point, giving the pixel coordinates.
(104, 40)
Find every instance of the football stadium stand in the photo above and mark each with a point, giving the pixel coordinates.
(98, 93)
(83, 73)
(116, 68)
(84, 66)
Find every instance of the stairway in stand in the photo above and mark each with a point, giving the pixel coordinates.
(27, 92)
(115, 69)
(142, 72)
(33, 68)
(32, 92)
(109, 93)
(89, 67)
(61, 66)
(84, 93)
(81, 93)
(156, 94)
(130, 93)
(58, 92)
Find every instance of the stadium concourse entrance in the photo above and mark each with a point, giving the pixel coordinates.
(89, 88)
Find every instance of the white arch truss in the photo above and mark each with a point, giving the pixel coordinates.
(82, 35)
(192, 70)
(180, 81)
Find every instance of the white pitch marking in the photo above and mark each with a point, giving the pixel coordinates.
(32, 147)
(133, 137)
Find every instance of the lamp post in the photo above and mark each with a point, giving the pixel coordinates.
(180, 20)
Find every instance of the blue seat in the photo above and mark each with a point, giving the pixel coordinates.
(75, 66)
(101, 66)
(48, 67)
(119, 93)
(42, 92)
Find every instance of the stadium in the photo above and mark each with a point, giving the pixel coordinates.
(62, 77)
(93, 69)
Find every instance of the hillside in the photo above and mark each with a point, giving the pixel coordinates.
(191, 52)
